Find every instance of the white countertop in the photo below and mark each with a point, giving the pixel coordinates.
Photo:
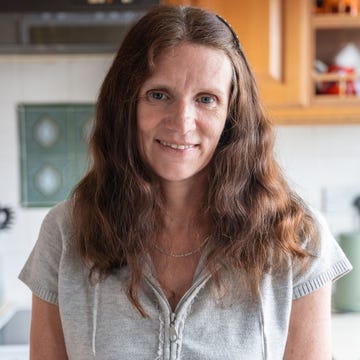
(7, 310)
(11, 352)
(346, 336)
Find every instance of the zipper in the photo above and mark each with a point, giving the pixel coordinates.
(173, 333)
(173, 336)
(196, 284)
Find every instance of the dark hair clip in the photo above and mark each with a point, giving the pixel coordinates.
(236, 39)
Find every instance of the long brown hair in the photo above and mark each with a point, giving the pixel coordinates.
(117, 207)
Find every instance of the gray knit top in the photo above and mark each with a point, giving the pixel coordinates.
(99, 322)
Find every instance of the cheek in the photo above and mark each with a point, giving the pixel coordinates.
(148, 119)
(215, 128)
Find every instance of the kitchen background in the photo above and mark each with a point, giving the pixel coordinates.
(322, 162)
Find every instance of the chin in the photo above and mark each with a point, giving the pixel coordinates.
(175, 178)
(180, 176)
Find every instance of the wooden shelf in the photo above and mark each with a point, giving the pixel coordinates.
(316, 114)
(329, 34)
(343, 81)
(335, 77)
(334, 99)
(335, 21)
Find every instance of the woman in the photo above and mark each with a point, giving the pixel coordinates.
(183, 241)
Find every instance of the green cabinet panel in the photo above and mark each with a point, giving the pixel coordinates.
(53, 150)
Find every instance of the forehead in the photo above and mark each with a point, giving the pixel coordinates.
(188, 62)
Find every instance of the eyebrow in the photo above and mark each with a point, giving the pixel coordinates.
(162, 87)
(159, 87)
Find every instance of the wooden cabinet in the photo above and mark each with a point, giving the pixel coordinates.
(336, 36)
(282, 39)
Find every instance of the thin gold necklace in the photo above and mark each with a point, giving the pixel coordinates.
(181, 255)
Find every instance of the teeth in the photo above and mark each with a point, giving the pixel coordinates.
(176, 146)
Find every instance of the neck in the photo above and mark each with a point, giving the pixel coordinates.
(183, 202)
(184, 224)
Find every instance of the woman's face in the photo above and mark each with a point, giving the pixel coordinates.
(182, 110)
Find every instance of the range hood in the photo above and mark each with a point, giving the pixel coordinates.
(67, 26)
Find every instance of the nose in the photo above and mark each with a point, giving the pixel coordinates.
(183, 117)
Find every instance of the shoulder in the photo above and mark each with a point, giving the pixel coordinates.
(60, 213)
(41, 270)
(58, 221)
(326, 263)
(326, 240)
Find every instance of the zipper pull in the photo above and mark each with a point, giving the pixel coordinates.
(173, 332)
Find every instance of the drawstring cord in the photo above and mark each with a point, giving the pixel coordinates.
(94, 319)
(262, 326)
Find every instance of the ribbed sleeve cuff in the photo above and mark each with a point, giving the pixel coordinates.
(335, 272)
(38, 290)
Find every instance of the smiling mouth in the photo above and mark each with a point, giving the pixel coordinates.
(177, 146)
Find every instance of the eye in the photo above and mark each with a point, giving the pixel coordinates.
(206, 99)
(157, 95)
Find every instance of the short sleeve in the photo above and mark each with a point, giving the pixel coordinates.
(41, 270)
(327, 264)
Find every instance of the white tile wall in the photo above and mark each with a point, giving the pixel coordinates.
(319, 159)
(33, 79)
(313, 158)
(85, 78)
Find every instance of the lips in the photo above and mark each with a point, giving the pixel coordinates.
(177, 146)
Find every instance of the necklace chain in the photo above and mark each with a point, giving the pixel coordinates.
(180, 255)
